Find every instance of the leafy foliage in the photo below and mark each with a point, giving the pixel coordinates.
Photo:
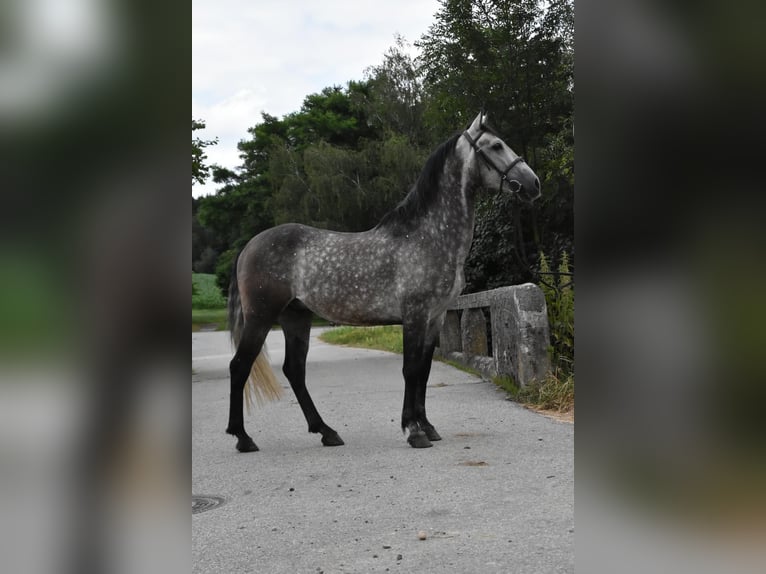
(395, 99)
(559, 298)
(512, 58)
(500, 244)
(205, 293)
(223, 269)
(351, 152)
(199, 169)
(340, 188)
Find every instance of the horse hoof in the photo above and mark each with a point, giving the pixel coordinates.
(332, 440)
(432, 434)
(246, 445)
(418, 440)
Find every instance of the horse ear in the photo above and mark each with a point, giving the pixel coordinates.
(475, 126)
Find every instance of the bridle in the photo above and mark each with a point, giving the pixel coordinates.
(513, 184)
(515, 187)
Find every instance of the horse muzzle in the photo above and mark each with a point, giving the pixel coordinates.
(526, 187)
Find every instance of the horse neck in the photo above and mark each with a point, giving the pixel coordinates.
(452, 214)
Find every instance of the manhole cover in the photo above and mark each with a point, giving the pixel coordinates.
(203, 503)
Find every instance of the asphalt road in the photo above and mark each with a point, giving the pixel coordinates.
(495, 495)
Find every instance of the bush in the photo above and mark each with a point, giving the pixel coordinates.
(205, 293)
(223, 269)
(559, 298)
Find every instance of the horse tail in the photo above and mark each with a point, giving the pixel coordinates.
(262, 383)
(236, 316)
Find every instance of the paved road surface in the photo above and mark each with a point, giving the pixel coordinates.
(495, 495)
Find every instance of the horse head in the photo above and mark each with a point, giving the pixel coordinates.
(500, 167)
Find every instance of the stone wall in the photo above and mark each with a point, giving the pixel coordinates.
(518, 341)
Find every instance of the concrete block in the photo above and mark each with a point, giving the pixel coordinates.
(449, 337)
(473, 331)
(519, 327)
(520, 334)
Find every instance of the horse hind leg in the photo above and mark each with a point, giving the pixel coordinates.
(253, 337)
(295, 320)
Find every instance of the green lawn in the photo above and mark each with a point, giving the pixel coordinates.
(209, 317)
(388, 338)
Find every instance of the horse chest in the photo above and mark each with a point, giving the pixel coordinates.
(451, 287)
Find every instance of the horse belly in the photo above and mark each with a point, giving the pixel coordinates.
(353, 308)
(343, 297)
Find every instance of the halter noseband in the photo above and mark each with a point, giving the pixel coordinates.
(490, 162)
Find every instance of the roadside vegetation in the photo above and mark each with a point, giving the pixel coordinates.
(556, 392)
(208, 304)
(386, 338)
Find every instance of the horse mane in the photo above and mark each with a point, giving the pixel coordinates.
(423, 192)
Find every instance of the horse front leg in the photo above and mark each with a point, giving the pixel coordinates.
(420, 400)
(432, 336)
(417, 365)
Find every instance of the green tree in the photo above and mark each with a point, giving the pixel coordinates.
(329, 164)
(202, 242)
(395, 99)
(512, 58)
(340, 188)
(200, 169)
(509, 57)
(349, 154)
(238, 210)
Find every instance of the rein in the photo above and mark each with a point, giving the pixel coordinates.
(513, 185)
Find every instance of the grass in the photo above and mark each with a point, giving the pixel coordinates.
(555, 393)
(387, 338)
(209, 318)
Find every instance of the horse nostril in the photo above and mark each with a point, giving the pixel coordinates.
(537, 184)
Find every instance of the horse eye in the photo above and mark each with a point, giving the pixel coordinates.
(497, 146)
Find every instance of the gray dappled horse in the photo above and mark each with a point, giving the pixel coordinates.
(407, 270)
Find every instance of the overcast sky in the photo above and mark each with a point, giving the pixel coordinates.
(250, 56)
